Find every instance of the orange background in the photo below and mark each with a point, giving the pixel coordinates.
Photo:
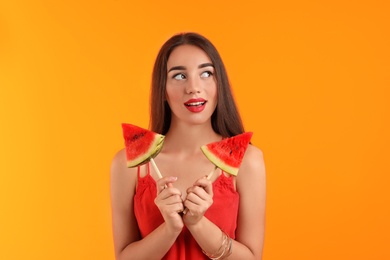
(311, 79)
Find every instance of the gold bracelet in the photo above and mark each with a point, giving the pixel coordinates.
(225, 248)
(230, 248)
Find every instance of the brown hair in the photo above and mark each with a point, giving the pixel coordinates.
(225, 120)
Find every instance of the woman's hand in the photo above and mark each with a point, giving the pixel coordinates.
(199, 199)
(170, 203)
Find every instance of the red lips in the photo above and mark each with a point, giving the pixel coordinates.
(195, 105)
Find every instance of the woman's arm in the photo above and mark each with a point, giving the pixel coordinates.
(127, 240)
(250, 184)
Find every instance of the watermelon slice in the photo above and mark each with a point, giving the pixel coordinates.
(227, 154)
(141, 145)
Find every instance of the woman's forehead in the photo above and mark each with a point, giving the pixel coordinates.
(187, 55)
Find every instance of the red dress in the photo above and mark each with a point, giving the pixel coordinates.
(223, 213)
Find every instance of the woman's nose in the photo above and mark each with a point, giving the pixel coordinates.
(193, 86)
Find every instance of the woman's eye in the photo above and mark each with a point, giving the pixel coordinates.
(179, 76)
(206, 74)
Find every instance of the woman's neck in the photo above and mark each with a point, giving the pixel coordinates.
(188, 139)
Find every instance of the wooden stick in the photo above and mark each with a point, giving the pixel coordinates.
(211, 173)
(155, 168)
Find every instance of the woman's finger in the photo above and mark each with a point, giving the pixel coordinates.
(164, 183)
(200, 192)
(173, 199)
(168, 193)
(205, 184)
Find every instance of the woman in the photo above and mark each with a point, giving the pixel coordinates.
(192, 105)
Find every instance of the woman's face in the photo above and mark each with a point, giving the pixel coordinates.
(191, 88)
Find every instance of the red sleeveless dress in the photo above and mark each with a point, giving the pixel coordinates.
(222, 213)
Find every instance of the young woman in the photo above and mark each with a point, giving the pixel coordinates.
(192, 105)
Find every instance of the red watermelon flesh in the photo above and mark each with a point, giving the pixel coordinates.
(227, 154)
(141, 144)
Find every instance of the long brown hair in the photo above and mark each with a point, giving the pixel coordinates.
(225, 120)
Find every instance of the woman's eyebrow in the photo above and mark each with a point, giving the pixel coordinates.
(203, 65)
(177, 68)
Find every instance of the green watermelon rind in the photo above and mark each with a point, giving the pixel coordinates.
(215, 157)
(218, 162)
(146, 158)
(152, 152)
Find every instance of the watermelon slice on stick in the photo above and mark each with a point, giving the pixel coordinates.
(227, 154)
(141, 145)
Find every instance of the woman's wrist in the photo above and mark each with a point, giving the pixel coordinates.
(224, 250)
(193, 226)
(173, 232)
(216, 243)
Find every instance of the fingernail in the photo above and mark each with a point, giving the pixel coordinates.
(173, 178)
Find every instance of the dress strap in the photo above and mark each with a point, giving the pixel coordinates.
(139, 170)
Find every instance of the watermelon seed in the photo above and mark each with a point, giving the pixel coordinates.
(137, 136)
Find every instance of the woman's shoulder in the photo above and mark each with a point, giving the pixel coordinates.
(119, 156)
(253, 157)
(252, 166)
(119, 170)
(118, 162)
